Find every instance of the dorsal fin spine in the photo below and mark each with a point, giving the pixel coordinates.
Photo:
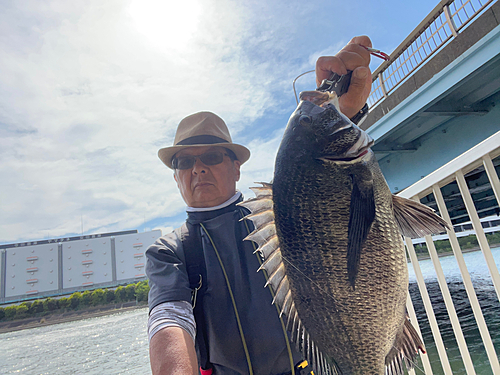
(262, 215)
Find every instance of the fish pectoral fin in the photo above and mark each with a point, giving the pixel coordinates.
(361, 216)
(416, 220)
(405, 350)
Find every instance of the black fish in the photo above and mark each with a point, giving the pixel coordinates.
(332, 245)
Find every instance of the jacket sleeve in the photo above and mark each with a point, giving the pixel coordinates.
(166, 270)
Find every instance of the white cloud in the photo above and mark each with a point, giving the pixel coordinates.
(260, 167)
(87, 100)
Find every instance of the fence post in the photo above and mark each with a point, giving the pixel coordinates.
(382, 86)
(449, 20)
(492, 176)
(478, 228)
(469, 287)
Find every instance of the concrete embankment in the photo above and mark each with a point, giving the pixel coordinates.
(69, 316)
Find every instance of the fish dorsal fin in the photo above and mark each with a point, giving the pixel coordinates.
(265, 190)
(262, 215)
(416, 220)
(404, 351)
(361, 216)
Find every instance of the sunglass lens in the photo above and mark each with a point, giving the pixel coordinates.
(184, 162)
(208, 158)
(212, 158)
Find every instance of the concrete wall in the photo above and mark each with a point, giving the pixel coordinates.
(31, 270)
(86, 263)
(130, 257)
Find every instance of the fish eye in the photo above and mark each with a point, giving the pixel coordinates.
(305, 120)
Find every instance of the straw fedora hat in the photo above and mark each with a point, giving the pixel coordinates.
(202, 129)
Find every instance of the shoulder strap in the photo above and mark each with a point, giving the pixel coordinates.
(197, 274)
(195, 260)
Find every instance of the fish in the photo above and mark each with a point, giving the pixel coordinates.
(330, 233)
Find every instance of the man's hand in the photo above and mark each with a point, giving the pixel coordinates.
(355, 58)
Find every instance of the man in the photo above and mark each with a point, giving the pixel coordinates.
(237, 329)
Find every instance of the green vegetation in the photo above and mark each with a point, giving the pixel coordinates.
(98, 297)
(22, 310)
(120, 294)
(466, 243)
(77, 301)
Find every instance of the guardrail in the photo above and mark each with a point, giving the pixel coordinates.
(454, 172)
(442, 24)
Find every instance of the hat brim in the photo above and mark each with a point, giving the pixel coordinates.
(167, 153)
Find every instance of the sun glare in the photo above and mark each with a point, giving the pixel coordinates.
(167, 24)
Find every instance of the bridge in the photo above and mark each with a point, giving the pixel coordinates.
(435, 117)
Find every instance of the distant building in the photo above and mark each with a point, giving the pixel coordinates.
(53, 267)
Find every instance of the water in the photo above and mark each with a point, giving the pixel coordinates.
(488, 301)
(117, 344)
(113, 344)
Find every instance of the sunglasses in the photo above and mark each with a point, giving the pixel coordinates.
(208, 158)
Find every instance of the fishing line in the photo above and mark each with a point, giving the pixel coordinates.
(289, 349)
(312, 281)
(293, 84)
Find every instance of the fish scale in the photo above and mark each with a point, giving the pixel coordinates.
(327, 230)
(303, 246)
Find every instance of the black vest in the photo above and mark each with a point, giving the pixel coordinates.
(217, 325)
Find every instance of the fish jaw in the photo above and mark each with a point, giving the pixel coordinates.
(321, 98)
(317, 125)
(354, 155)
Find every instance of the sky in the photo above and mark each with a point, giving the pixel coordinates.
(90, 90)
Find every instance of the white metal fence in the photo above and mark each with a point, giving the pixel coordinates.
(480, 155)
(445, 22)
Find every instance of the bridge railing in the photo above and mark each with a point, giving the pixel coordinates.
(480, 156)
(445, 22)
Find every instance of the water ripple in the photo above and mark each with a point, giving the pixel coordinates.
(113, 344)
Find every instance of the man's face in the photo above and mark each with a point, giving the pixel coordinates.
(207, 186)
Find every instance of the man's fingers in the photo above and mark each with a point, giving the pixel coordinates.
(349, 58)
(325, 65)
(359, 90)
(362, 40)
(354, 56)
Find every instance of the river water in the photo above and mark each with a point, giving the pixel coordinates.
(112, 344)
(117, 343)
(488, 301)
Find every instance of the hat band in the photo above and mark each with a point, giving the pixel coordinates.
(201, 140)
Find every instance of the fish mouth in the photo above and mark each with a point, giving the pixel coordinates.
(359, 151)
(347, 159)
(359, 156)
(323, 101)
